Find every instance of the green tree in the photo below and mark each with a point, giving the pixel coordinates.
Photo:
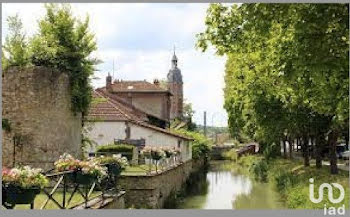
(188, 113)
(65, 43)
(15, 49)
(287, 70)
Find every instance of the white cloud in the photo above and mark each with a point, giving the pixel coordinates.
(140, 38)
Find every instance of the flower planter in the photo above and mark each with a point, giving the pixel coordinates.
(83, 179)
(168, 154)
(156, 157)
(17, 195)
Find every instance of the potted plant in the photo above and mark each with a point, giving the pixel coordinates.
(115, 164)
(169, 151)
(20, 185)
(146, 151)
(83, 172)
(155, 153)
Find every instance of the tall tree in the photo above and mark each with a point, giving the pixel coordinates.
(65, 42)
(292, 59)
(15, 49)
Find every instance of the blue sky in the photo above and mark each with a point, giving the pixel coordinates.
(140, 38)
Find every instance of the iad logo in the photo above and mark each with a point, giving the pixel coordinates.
(329, 187)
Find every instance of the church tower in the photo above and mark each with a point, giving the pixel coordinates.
(175, 86)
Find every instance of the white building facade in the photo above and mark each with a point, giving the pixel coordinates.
(109, 121)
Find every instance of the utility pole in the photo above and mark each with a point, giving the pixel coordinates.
(205, 123)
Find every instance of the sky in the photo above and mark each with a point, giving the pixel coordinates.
(140, 39)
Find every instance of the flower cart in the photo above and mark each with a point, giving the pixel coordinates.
(81, 173)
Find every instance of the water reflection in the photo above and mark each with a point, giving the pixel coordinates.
(225, 187)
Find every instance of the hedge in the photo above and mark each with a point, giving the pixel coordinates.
(124, 150)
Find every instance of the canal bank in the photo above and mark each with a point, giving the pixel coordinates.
(155, 190)
(226, 185)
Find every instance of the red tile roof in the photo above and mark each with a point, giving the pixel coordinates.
(137, 86)
(122, 101)
(105, 108)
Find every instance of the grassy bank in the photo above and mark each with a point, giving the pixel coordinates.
(291, 179)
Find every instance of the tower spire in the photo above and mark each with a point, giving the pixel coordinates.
(174, 60)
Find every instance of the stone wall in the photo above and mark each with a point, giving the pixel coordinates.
(37, 103)
(151, 191)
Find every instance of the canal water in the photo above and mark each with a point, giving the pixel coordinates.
(227, 186)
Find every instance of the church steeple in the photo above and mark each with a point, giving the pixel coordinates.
(175, 86)
(174, 60)
(174, 75)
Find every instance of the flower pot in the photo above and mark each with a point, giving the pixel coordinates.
(168, 154)
(18, 195)
(156, 157)
(83, 179)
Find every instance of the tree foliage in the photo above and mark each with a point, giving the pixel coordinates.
(15, 50)
(63, 42)
(201, 145)
(287, 68)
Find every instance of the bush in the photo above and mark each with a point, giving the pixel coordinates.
(124, 150)
(260, 169)
(200, 150)
(271, 151)
(201, 145)
(248, 160)
(230, 155)
(115, 148)
(284, 180)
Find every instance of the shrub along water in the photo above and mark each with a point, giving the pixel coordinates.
(230, 155)
(259, 169)
(291, 180)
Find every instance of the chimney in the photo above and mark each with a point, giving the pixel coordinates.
(108, 81)
(156, 82)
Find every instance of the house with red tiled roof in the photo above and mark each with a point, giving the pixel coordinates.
(161, 104)
(142, 95)
(111, 118)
